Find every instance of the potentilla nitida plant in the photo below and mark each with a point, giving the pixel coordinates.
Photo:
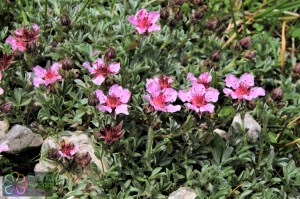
(46, 76)
(116, 100)
(242, 88)
(145, 22)
(101, 70)
(161, 94)
(24, 37)
(68, 150)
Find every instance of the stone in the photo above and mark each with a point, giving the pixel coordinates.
(222, 133)
(253, 129)
(85, 146)
(4, 127)
(20, 138)
(183, 193)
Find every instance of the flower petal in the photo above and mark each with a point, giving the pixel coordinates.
(207, 108)
(104, 108)
(257, 91)
(114, 67)
(56, 66)
(211, 95)
(1, 91)
(87, 65)
(101, 97)
(154, 27)
(37, 81)
(184, 95)
(132, 19)
(98, 79)
(232, 81)
(197, 89)
(170, 94)
(99, 63)
(192, 78)
(153, 17)
(205, 77)
(39, 71)
(172, 109)
(247, 79)
(123, 108)
(153, 87)
(141, 14)
(141, 30)
(192, 107)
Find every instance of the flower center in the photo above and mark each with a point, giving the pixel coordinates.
(198, 101)
(49, 75)
(102, 71)
(113, 101)
(203, 82)
(159, 101)
(163, 82)
(242, 90)
(144, 23)
(67, 148)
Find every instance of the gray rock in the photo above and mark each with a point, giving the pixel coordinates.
(253, 129)
(85, 145)
(222, 133)
(183, 193)
(4, 126)
(21, 138)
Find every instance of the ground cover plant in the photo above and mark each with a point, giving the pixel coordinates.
(170, 93)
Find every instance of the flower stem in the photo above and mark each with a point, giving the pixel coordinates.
(22, 12)
(82, 9)
(45, 14)
(233, 18)
(244, 20)
(149, 147)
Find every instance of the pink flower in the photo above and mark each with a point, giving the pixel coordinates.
(23, 36)
(46, 76)
(198, 98)
(1, 89)
(115, 100)
(242, 87)
(144, 21)
(204, 79)
(163, 81)
(161, 99)
(100, 70)
(67, 149)
(3, 147)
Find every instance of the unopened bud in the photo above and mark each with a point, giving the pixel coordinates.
(277, 94)
(110, 54)
(178, 2)
(211, 24)
(31, 48)
(178, 16)
(173, 22)
(215, 56)
(68, 63)
(296, 69)
(92, 100)
(65, 20)
(164, 14)
(83, 159)
(6, 107)
(54, 44)
(246, 42)
(18, 55)
(250, 54)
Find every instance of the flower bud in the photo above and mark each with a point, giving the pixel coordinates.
(277, 94)
(53, 153)
(173, 22)
(251, 105)
(207, 63)
(83, 159)
(215, 56)
(246, 42)
(250, 54)
(110, 54)
(67, 63)
(18, 55)
(198, 2)
(54, 44)
(92, 100)
(296, 69)
(6, 107)
(212, 24)
(65, 20)
(178, 16)
(31, 48)
(198, 14)
(178, 2)
(164, 14)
